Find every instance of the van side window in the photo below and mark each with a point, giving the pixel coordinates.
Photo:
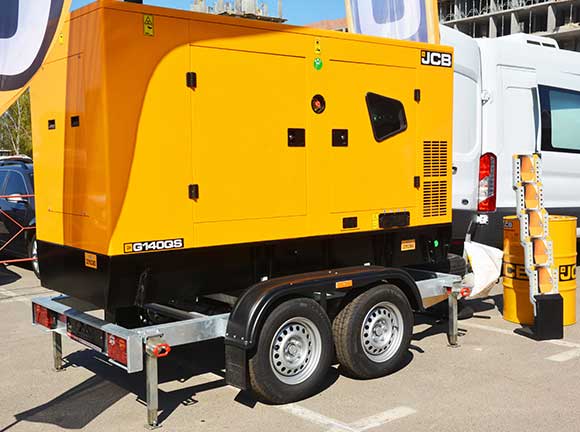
(387, 116)
(560, 119)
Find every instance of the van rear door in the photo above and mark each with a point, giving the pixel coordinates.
(466, 119)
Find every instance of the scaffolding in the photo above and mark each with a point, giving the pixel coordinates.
(558, 19)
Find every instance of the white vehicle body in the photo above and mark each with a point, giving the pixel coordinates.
(514, 94)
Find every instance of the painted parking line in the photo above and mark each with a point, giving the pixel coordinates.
(382, 418)
(561, 357)
(565, 356)
(333, 425)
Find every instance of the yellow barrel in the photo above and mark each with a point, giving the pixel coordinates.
(516, 295)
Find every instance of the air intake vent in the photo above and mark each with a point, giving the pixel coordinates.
(435, 198)
(435, 183)
(434, 158)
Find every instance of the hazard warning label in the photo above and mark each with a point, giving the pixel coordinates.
(148, 25)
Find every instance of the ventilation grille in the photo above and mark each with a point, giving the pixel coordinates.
(435, 198)
(435, 158)
(435, 184)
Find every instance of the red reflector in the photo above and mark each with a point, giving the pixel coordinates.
(487, 183)
(117, 349)
(44, 317)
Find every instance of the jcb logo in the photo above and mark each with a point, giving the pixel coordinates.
(566, 272)
(434, 58)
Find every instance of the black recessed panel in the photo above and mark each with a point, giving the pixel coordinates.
(391, 220)
(75, 121)
(296, 137)
(349, 222)
(340, 137)
(387, 116)
(51, 124)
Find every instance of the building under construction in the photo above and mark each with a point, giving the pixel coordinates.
(558, 19)
(241, 8)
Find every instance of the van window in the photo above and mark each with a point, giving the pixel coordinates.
(560, 119)
(387, 116)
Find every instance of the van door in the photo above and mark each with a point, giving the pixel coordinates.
(519, 130)
(560, 148)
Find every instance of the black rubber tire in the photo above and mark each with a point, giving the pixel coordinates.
(35, 268)
(347, 329)
(265, 384)
(457, 265)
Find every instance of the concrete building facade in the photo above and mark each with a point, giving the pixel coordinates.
(558, 19)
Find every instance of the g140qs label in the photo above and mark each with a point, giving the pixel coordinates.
(435, 58)
(153, 245)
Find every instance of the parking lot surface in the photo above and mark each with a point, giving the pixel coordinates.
(496, 380)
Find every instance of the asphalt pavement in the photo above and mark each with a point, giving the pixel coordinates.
(497, 380)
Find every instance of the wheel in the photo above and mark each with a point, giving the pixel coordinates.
(457, 265)
(373, 332)
(33, 253)
(294, 352)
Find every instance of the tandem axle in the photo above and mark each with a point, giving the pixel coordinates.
(138, 349)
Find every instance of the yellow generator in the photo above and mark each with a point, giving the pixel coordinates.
(186, 159)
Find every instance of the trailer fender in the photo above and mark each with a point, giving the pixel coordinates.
(253, 306)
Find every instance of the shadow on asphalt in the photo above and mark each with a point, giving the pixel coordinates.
(77, 407)
(7, 276)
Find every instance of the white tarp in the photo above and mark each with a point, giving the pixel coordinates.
(396, 19)
(486, 263)
(27, 29)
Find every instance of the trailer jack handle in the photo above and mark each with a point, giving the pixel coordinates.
(155, 348)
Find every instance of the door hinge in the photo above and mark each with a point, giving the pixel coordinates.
(417, 182)
(191, 80)
(194, 191)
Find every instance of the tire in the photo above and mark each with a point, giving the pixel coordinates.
(32, 253)
(301, 328)
(457, 265)
(385, 309)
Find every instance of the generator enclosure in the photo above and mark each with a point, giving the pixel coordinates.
(178, 153)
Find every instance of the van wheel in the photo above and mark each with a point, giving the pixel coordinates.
(33, 253)
(373, 332)
(294, 352)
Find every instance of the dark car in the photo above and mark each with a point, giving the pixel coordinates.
(17, 215)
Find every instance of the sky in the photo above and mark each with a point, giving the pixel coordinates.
(295, 11)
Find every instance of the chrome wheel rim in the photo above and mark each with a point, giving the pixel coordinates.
(295, 350)
(382, 332)
(35, 257)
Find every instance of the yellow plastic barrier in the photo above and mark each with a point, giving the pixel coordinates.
(516, 295)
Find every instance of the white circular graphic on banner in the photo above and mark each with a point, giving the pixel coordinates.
(27, 28)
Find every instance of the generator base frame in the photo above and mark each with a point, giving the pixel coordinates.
(145, 345)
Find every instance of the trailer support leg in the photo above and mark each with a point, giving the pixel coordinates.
(152, 391)
(453, 333)
(57, 352)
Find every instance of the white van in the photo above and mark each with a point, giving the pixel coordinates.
(514, 94)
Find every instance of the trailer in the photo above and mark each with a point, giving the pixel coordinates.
(138, 349)
(305, 211)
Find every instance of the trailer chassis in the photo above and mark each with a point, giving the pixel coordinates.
(145, 345)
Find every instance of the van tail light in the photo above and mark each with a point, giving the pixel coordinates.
(487, 183)
(44, 317)
(117, 349)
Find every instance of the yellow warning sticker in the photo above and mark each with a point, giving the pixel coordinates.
(408, 245)
(375, 221)
(90, 260)
(317, 47)
(148, 25)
